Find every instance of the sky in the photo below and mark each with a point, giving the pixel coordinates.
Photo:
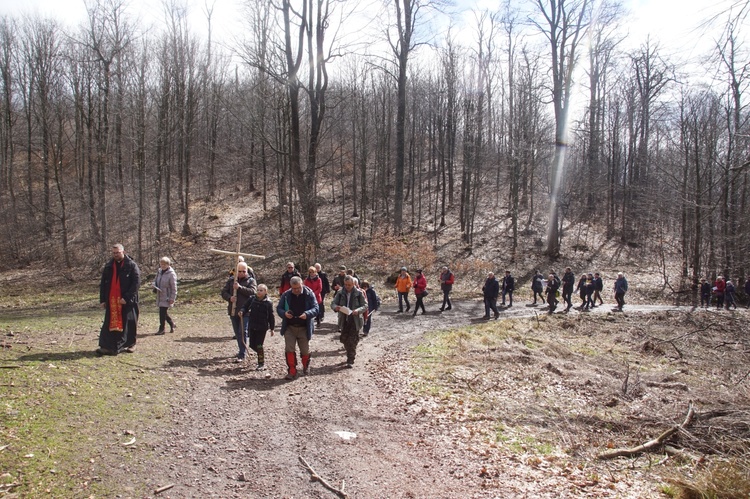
(675, 24)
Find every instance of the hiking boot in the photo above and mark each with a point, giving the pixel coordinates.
(486, 317)
(104, 351)
(260, 367)
(290, 376)
(496, 315)
(159, 332)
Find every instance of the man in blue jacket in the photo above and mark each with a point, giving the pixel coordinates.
(297, 308)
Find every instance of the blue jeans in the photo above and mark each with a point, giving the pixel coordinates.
(239, 325)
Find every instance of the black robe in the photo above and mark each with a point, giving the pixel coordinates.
(130, 281)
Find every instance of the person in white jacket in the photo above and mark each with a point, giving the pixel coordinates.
(165, 287)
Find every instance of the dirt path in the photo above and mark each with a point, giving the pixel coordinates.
(239, 433)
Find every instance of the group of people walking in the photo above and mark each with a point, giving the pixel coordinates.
(723, 292)
(301, 305)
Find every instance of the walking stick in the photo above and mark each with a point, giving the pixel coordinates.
(236, 270)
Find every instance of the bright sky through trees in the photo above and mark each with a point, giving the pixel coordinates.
(676, 24)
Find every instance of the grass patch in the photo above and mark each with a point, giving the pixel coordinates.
(65, 414)
(721, 480)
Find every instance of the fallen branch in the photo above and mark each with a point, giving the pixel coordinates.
(670, 386)
(651, 444)
(673, 451)
(163, 489)
(315, 477)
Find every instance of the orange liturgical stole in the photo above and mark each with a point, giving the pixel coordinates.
(115, 309)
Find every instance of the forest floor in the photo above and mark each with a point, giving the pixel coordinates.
(441, 405)
(437, 405)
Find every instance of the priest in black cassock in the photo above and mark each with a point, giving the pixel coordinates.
(118, 296)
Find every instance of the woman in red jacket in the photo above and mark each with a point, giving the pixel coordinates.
(315, 283)
(420, 291)
(719, 287)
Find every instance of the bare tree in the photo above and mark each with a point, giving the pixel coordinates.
(565, 22)
(107, 38)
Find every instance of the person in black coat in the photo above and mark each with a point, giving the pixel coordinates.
(553, 284)
(582, 290)
(490, 290)
(509, 284)
(373, 305)
(246, 288)
(705, 291)
(326, 289)
(118, 296)
(568, 282)
(598, 288)
(537, 286)
(260, 318)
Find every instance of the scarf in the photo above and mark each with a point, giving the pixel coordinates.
(115, 309)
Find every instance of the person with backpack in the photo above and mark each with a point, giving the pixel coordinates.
(446, 286)
(373, 305)
(260, 319)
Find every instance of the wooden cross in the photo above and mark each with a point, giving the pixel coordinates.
(237, 254)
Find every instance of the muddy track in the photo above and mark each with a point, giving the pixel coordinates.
(236, 432)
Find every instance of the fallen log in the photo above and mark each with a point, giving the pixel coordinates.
(651, 444)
